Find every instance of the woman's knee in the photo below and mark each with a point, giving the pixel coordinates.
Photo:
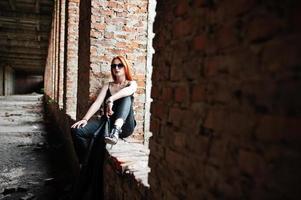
(127, 99)
(78, 132)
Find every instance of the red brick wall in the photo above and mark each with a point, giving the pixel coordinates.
(226, 110)
(49, 70)
(62, 61)
(116, 29)
(71, 67)
(84, 58)
(61, 56)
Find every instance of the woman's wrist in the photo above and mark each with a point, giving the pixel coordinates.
(85, 119)
(109, 100)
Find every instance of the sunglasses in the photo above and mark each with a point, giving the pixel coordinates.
(120, 65)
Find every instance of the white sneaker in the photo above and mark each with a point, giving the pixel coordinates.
(114, 136)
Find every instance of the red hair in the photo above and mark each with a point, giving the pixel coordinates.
(127, 68)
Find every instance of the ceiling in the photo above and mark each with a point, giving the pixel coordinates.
(24, 30)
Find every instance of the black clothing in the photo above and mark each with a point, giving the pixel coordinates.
(90, 185)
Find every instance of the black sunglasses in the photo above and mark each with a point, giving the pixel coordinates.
(120, 65)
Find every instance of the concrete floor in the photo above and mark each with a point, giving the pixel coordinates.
(26, 165)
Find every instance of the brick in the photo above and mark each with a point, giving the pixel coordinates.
(181, 8)
(182, 28)
(167, 94)
(175, 116)
(179, 140)
(197, 145)
(198, 3)
(211, 66)
(218, 152)
(251, 163)
(198, 93)
(98, 26)
(155, 92)
(175, 158)
(154, 126)
(182, 94)
(237, 7)
(263, 27)
(175, 73)
(274, 128)
(228, 35)
(216, 120)
(274, 59)
(160, 110)
(199, 42)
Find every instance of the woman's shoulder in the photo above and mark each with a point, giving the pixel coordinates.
(132, 82)
(106, 85)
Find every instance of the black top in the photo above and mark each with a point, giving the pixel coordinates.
(108, 94)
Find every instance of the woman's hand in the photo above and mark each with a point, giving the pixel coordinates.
(81, 123)
(109, 107)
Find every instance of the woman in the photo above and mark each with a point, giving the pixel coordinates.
(118, 98)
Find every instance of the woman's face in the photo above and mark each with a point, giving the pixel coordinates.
(117, 68)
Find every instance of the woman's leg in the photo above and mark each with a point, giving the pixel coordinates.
(129, 125)
(121, 110)
(82, 137)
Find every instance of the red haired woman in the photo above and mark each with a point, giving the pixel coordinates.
(118, 99)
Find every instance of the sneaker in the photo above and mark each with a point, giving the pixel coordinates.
(114, 136)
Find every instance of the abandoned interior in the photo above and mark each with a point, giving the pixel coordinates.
(218, 104)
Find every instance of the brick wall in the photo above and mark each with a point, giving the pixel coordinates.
(83, 103)
(49, 65)
(119, 184)
(226, 84)
(60, 78)
(62, 59)
(61, 56)
(226, 110)
(119, 28)
(71, 67)
(82, 47)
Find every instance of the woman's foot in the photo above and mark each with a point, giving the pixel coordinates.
(113, 137)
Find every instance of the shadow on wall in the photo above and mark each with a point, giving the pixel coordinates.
(26, 83)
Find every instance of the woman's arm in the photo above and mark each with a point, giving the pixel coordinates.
(93, 108)
(127, 91)
(97, 103)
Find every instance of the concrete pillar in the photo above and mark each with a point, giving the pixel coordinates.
(1, 81)
(8, 80)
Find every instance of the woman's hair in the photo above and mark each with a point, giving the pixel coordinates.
(127, 68)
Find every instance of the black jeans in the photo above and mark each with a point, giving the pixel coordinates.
(122, 108)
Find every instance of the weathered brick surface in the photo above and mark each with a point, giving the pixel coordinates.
(71, 67)
(84, 58)
(126, 171)
(226, 103)
(121, 185)
(226, 93)
(61, 57)
(82, 47)
(118, 28)
(62, 60)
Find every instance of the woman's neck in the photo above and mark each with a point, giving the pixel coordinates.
(120, 80)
